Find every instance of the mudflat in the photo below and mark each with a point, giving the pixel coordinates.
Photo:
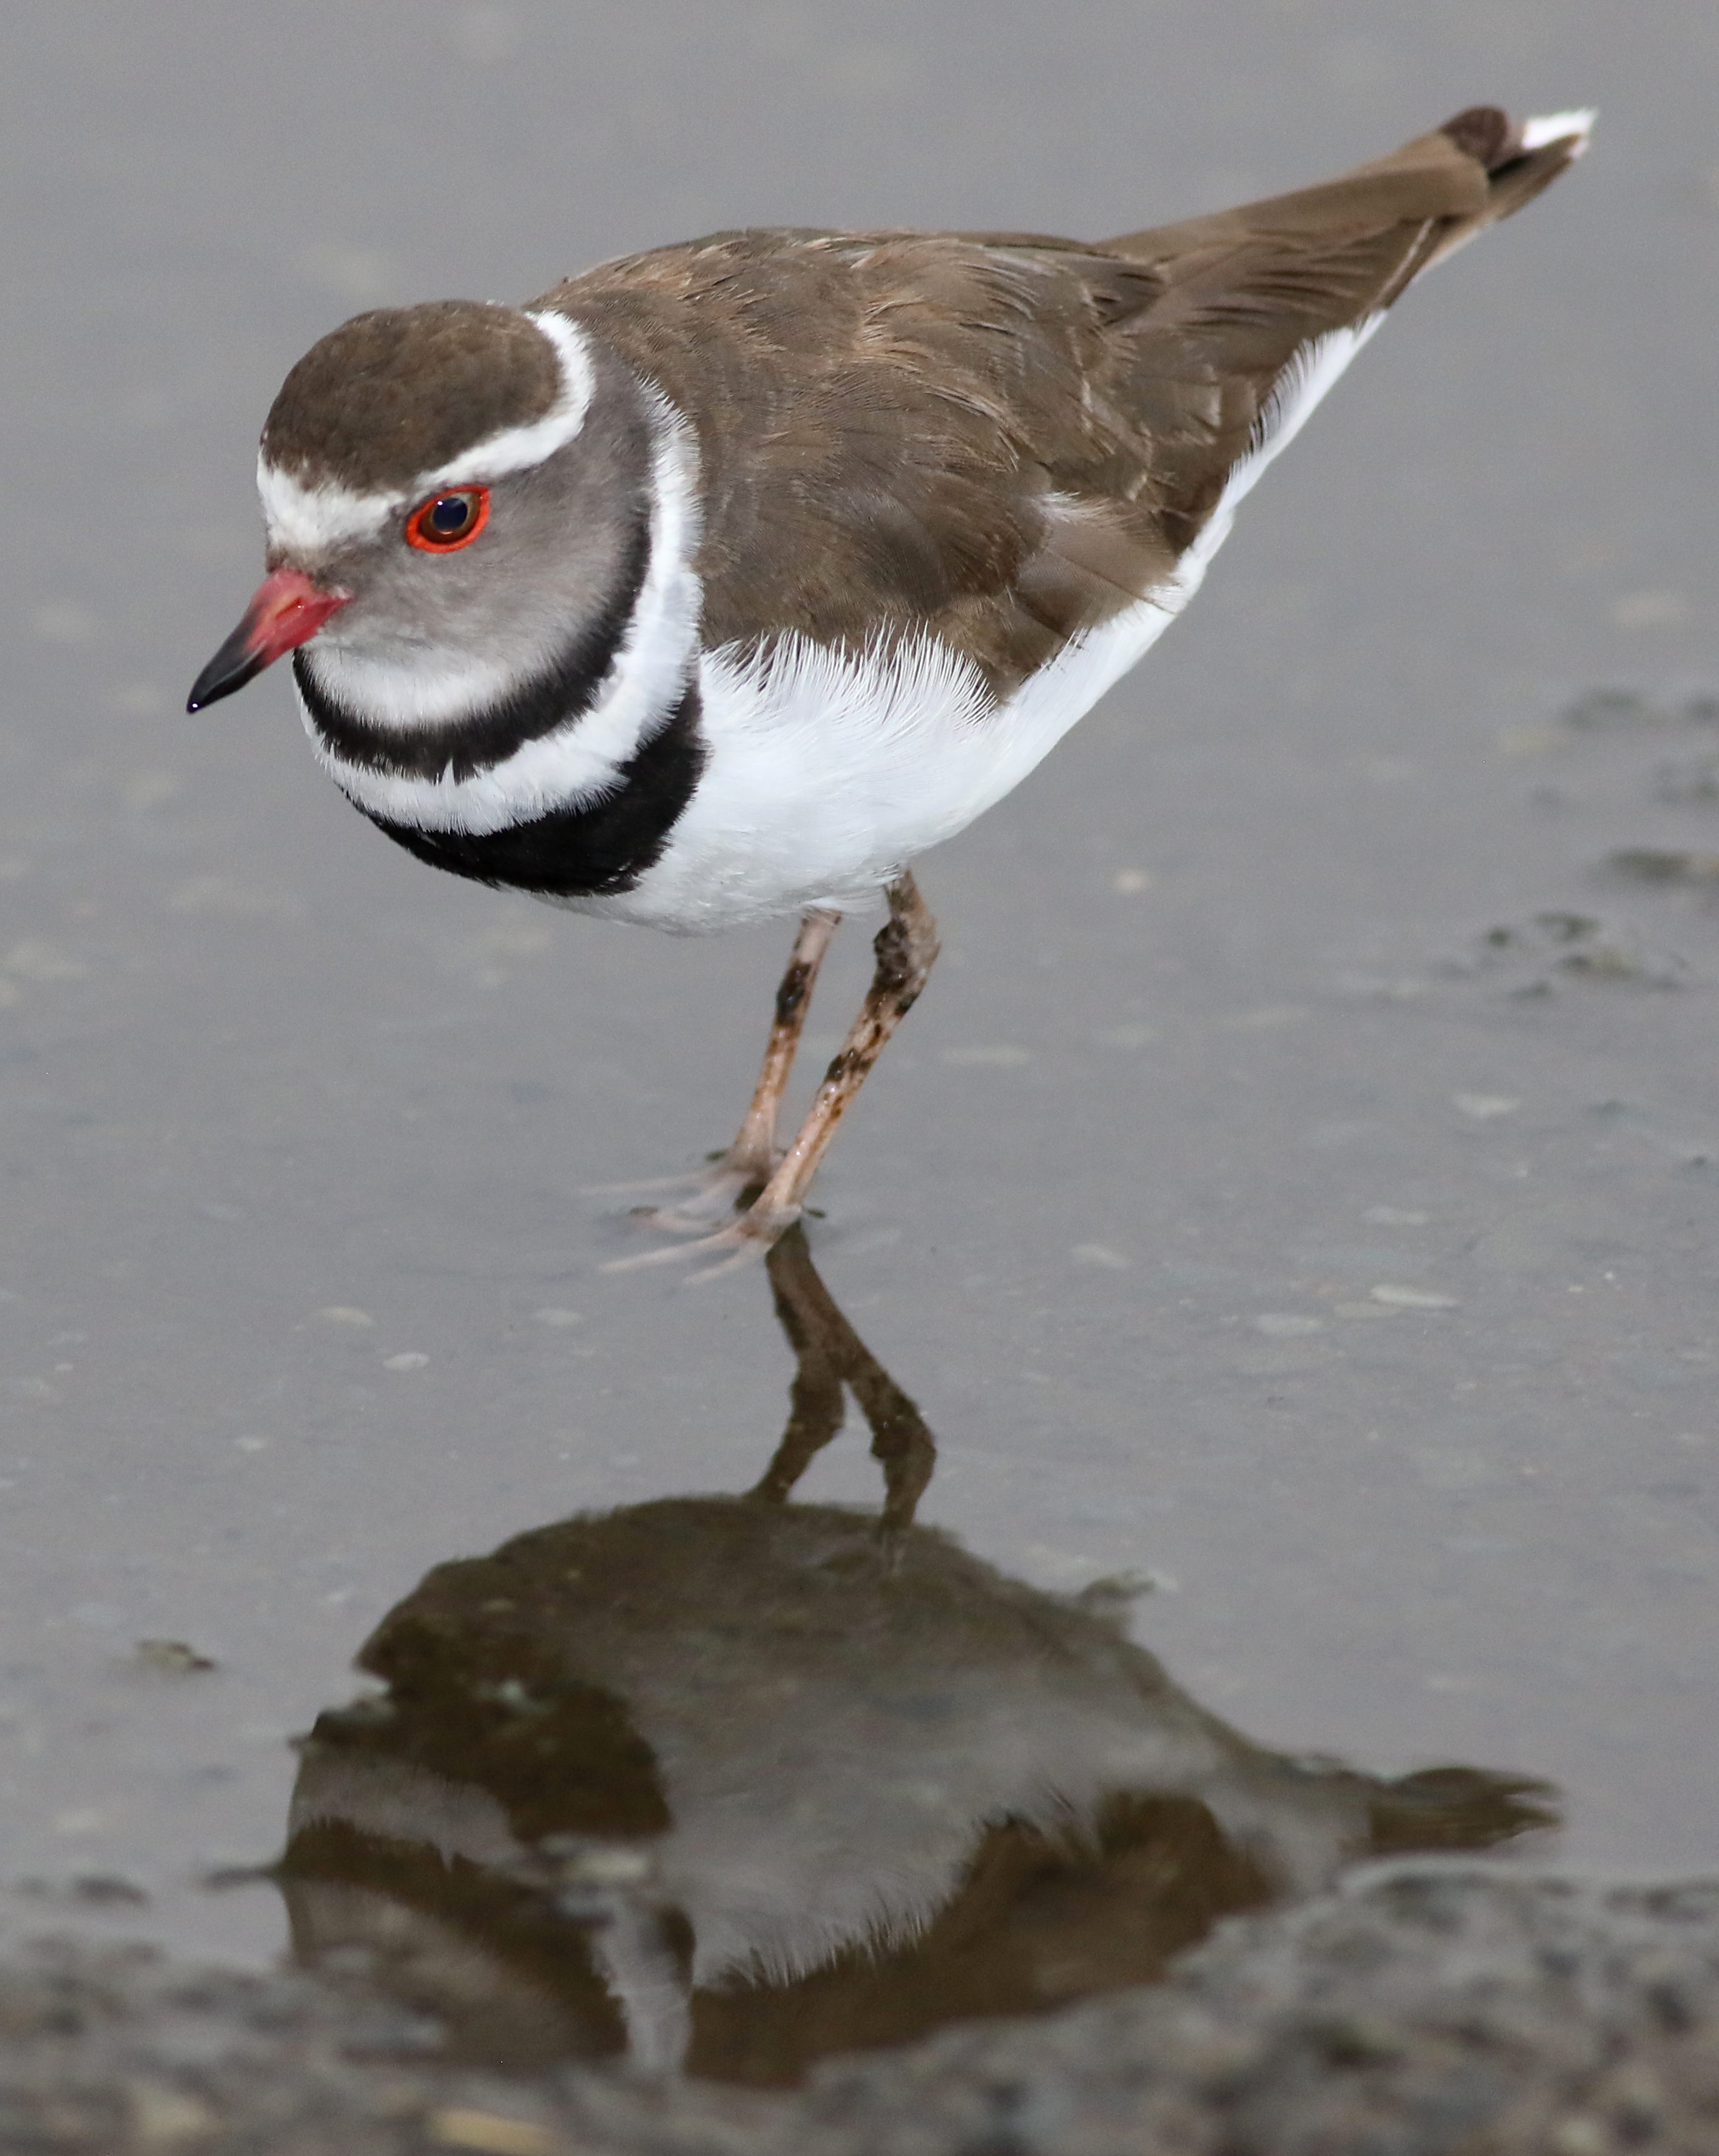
(1293, 1201)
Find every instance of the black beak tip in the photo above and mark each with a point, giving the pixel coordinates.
(232, 666)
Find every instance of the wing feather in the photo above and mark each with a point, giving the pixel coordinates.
(1008, 438)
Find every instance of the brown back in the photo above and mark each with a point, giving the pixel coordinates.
(1008, 436)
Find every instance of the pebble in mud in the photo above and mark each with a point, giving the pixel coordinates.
(1608, 711)
(1410, 1298)
(1654, 866)
(1484, 1107)
(166, 2118)
(1692, 783)
(171, 1658)
(94, 1889)
(490, 2132)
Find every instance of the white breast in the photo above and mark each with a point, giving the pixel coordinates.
(829, 771)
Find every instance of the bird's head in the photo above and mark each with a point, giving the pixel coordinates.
(452, 492)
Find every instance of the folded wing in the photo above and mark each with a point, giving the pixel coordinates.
(1008, 439)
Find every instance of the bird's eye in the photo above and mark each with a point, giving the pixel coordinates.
(448, 521)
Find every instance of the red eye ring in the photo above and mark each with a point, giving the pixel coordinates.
(423, 531)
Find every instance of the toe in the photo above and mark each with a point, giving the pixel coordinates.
(739, 1244)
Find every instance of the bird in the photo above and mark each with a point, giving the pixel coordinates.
(700, 1785)
(723, 580)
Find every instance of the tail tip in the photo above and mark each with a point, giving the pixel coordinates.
(1576, 128)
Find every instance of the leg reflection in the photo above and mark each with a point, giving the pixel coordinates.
(828, 1354)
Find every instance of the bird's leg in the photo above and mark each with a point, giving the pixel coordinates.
(754, 1149)
(748, 1162)
(906, 947)
(828, 1354)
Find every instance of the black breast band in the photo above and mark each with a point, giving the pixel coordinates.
(602, 847)
(465, 746)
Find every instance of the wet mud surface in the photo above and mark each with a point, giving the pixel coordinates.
(1442, 2012)
(1287, 1220)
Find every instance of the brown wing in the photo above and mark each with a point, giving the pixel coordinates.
(1009, 436)
(1246, 290)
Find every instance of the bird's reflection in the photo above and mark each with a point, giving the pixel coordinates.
(725, 1783)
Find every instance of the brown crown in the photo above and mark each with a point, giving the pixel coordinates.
(401, 390)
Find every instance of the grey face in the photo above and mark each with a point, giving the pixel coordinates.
(429, 629)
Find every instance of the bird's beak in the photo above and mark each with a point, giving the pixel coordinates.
(287, 609)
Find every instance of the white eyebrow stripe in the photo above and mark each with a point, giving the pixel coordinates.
(310, 520)
(517, 449)
(306, 520)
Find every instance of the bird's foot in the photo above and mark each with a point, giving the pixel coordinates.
(711, 1191)
(737, 1244)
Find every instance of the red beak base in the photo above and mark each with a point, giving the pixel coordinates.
(287, 609)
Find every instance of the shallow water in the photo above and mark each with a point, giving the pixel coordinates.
(1297, 1188)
